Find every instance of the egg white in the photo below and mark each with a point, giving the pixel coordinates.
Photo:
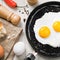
(47, 20)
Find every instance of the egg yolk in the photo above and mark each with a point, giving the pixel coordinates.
(44, 32)
(56, 26)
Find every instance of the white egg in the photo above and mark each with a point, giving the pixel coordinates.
(47, 20)
(19, 48)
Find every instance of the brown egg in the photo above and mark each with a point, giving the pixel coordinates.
(1, 25)
(32, 2)
(1, 51)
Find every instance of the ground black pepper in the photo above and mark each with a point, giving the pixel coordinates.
(24, 19)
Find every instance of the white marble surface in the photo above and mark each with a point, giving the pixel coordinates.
(22, 24)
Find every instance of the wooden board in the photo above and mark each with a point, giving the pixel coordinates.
(8, 42)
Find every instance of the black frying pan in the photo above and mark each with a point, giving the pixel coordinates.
(38, 12)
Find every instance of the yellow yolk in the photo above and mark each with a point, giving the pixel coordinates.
(44, 32)
(56, 26)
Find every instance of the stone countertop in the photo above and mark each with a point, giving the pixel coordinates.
(20, 11)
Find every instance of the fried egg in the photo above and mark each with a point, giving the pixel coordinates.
(47, 29)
